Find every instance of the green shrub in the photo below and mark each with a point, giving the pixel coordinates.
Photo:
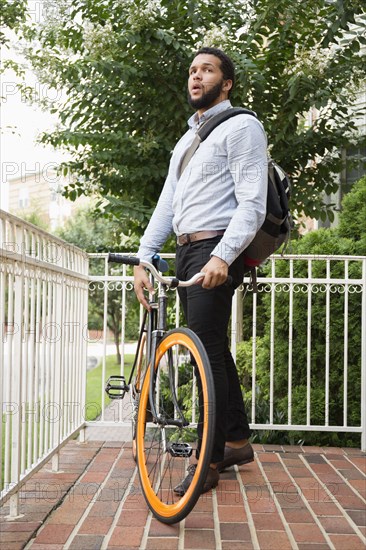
(323, 241)
(352, 223)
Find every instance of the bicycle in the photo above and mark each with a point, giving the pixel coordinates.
(173, 403)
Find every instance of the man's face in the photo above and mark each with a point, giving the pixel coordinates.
(206, 85)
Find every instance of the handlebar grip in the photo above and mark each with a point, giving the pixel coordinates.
(122, 259)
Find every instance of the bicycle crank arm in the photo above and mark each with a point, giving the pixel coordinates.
(162, 421)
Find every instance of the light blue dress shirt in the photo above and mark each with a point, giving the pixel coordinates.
(223, 187)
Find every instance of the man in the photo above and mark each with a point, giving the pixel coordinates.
(215, 208)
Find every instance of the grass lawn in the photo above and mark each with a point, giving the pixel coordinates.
(94, 384)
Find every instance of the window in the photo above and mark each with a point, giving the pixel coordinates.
(355, 172)
(23, 197)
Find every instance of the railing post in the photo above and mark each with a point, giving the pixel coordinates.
(56, 462)
(239, 313)
(234, 325)
(82, 435)
(2, 355)
(363, 359)
(85, 295)
(16, 381)
(14, 506)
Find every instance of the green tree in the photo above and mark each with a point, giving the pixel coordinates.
(122, 67)
(34, 215)
(12, 14)
(93, 233)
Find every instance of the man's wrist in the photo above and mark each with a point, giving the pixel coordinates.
(138, 268)
(224, 263)
(225, 253)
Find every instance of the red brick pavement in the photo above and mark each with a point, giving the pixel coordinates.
(289, 497)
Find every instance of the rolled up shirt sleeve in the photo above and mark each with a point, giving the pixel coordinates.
(248, 165)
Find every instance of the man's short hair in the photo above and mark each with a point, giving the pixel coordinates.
(227, 66)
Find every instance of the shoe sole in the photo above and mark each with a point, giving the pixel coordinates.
(237, 464)
(181, 493)
(209, 489)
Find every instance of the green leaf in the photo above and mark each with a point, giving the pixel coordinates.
(123, 74)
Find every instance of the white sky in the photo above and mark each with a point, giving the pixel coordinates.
(21, 123)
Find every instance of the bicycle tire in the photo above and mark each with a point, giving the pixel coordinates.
(160, 470)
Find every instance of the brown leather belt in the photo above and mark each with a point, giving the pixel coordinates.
(187, 238)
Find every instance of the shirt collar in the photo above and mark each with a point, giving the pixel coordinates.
(195, 122)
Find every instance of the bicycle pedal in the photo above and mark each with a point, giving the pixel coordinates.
(181, 450)
(116, 387)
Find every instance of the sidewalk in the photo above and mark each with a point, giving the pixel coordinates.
(290, 497)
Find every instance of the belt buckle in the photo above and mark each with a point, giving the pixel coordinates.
(184, 239)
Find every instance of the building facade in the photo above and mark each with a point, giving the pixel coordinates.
(40, 193)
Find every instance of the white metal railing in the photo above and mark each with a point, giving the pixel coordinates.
(44, 285)
(309, 286)
(43, 322)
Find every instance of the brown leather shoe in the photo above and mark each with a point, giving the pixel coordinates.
(243, 455)
(212, 480)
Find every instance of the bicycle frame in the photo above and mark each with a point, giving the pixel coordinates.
(165, 428)
(154, 325)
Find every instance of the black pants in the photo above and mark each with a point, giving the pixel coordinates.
(207, 313)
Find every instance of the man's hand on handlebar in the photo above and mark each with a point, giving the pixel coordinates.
(216, 272)
(142, 283)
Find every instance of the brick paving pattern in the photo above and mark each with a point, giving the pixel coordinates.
(306, 498)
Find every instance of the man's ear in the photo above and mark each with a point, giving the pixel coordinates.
(228, 84)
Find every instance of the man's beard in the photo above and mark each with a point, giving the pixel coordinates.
(207, 98)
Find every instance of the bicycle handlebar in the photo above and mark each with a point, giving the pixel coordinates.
(123, 259)
(172, 282)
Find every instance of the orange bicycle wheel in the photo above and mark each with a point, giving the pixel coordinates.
(184, 399)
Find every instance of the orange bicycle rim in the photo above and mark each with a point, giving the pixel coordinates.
(168, 510)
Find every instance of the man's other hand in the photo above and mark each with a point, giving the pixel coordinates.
(142, 283)
(216, 272)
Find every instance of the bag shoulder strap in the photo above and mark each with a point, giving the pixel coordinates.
(214, 121)
(189, 153)
(206, 130)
